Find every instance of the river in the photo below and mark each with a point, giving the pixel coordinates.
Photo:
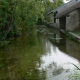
(39, 55)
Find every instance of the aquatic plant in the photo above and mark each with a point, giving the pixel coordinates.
(75, 75)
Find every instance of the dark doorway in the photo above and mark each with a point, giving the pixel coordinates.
(62, 21)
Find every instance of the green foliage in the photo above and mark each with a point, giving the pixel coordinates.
(70, 36)
(4, 43)
(16, 14)
(50, 5)
(74, 76)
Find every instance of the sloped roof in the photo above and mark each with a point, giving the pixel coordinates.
(66, 8)
(70, 6)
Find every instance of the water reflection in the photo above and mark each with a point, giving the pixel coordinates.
(38, 57)
(58, 58)
(18, 60)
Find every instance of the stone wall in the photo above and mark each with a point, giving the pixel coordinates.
(73, 21)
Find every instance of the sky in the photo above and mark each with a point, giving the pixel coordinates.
(66, 1)
(63, 0)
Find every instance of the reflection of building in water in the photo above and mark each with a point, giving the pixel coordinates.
(60, 39)
(55, 62)
(65, 45)
(68, 46)
(73, 49)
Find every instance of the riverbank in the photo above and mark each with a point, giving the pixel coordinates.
(75, 36)
(72, 35)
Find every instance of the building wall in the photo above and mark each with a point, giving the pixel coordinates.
(73, 21)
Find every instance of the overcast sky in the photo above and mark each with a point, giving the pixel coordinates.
(66, 1)
(63, 0)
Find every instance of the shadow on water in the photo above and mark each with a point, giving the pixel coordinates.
(38, 56)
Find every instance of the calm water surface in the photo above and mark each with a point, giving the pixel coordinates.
(39, 55)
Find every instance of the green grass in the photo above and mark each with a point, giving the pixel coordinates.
(77, 32)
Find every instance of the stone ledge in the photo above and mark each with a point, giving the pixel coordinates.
(74, 36)
(77, 38)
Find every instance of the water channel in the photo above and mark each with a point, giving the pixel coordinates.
(39, 55)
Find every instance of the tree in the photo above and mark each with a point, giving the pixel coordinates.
(15, 14)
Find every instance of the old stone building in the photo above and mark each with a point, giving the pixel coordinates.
(73, 21)
(67, 16)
